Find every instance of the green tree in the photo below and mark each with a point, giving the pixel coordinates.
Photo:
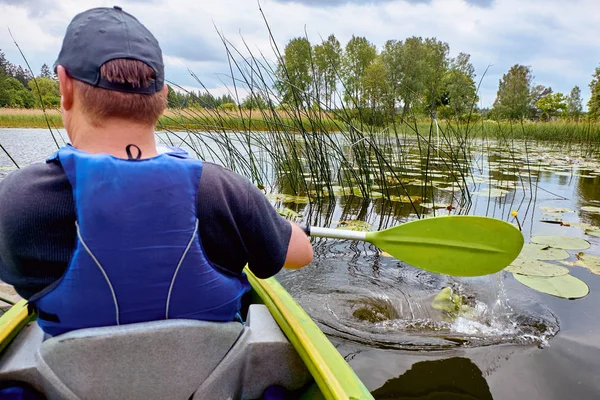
(376, 93)
(514, 96)
(4, 64)
(255, 101)
(391, 57)
(45, 72)
(294, 73)
(48, 92)
(13, 94)
(436, 65)
(412, 73)
(552, 105)
(460, 90)
(358, 55)
(574, 107)
(594, 101)
(328, 56)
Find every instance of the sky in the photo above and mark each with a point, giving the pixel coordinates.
(557, 38)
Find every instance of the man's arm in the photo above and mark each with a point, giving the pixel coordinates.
(239, 226)
(37, 227)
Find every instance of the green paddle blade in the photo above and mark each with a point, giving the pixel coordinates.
(452, 245)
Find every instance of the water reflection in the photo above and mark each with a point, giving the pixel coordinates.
(454, 378)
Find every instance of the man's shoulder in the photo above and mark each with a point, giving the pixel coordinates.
(218, 179)
(33, 181)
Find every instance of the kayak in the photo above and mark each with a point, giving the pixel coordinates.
(278, 353)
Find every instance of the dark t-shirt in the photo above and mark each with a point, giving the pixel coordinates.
(237, 226)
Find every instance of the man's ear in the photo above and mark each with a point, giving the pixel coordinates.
(66, 88)
(165, 90)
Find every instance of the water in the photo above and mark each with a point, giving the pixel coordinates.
(510, 343)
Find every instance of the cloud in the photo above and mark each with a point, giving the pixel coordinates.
(35, 8)
(556, 40)
(335, 3)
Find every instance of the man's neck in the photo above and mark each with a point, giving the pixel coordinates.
(113, 137)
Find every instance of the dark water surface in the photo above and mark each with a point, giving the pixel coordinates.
(517, 343)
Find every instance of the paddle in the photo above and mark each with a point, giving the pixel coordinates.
(452, 245)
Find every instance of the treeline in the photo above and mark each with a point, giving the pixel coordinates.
(415, 76)
(18, 89)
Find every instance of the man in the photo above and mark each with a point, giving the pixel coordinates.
(109, 231)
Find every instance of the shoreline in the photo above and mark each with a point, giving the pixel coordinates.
(187, 119)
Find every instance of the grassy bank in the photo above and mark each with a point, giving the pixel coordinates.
(182, 120)
(292, 121)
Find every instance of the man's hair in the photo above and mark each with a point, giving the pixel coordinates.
(99, 103)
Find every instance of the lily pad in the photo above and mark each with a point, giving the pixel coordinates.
(586, 261)
(288, 213)
(491, 193)
(431, 205)
(583, 225)
(562, 242)
(593, 209)
(565, 286)
(355, 225)
(447, 301)
(592, 232)
(533, 251)
(536, 268)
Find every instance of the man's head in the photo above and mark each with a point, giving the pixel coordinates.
(111, 66)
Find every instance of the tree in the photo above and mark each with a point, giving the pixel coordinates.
(294, 78)
(4, 64)
(436, 65)
(13, 94)
(551, 105)
(391, 57)
(574, 107)
(459, 89)
(48, 94)
(514, 95)
(359, 54)
(594, 101)
(255, 101)
(376, 89)
(20, 74)
(328, 56)
(45, 72)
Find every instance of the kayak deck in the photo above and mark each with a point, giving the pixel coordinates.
(278, 345)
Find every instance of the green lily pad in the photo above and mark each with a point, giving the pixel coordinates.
(562, 242)
(447, 301)
(565, 286)
(355, 225)
(431, 205)
(288, 213)
(552, 210)
(532, 251)
(593, 232)
(593, 209)
(583, 225)
(536, 268)
(586, 261)
(491, 193)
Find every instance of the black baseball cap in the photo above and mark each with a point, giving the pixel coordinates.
(99, 35)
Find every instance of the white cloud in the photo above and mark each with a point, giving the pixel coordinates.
(556, 38)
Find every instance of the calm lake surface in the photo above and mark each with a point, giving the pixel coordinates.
(516, 344)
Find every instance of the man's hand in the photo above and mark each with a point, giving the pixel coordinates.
(300, 251)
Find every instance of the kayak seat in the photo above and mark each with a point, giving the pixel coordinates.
(173, 359)
(151, 360)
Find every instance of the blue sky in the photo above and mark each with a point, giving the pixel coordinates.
(558, 39)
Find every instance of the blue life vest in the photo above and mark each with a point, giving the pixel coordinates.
(138, 255)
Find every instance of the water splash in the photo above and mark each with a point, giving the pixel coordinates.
(393, 309)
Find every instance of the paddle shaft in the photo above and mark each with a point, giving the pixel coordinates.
(317, 231)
